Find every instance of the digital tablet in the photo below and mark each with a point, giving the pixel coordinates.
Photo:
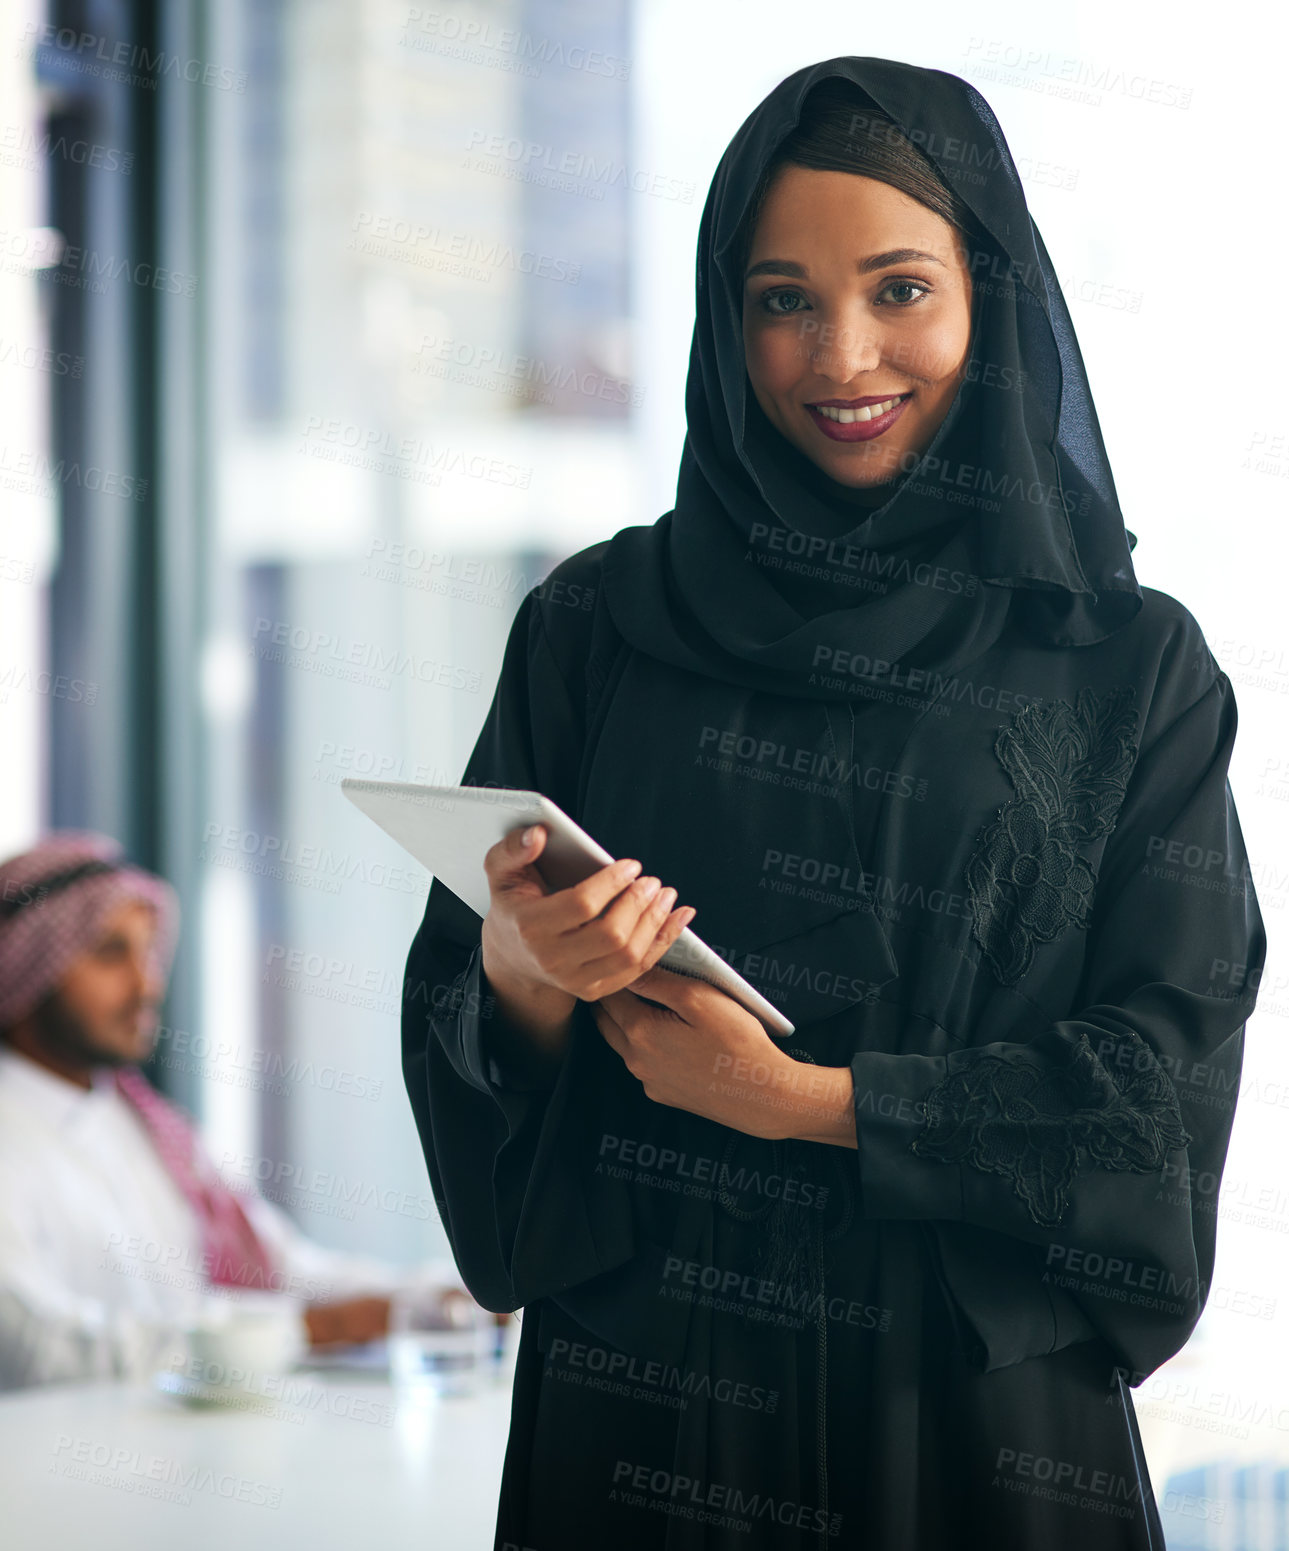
(448, 829)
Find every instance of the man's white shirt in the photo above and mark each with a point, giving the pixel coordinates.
(101, 1259)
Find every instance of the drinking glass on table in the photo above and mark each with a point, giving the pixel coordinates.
(440, 1343)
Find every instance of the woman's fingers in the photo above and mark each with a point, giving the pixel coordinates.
(509, 865)
(570, 908)
(621, 924)
(590, 939)
(617, 971)
(671, 929)
(625, 932)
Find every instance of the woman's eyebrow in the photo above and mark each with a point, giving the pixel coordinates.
(866, 266)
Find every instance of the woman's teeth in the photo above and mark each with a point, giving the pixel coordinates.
(849, 416)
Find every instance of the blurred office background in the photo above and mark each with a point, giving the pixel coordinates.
(326, 329)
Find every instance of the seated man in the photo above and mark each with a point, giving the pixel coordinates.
(116, 1229)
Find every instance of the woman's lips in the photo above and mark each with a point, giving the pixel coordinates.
(858, 430)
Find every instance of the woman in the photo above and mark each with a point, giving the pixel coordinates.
(883, 701)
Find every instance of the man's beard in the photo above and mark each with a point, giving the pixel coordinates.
(65, 1035)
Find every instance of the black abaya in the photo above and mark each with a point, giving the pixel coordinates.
(1003, 881)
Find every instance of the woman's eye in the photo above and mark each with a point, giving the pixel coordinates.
(781, 296)
(902, 293)
(907, 285)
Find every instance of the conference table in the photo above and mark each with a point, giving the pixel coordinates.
(344, 1457)
(339, 1458)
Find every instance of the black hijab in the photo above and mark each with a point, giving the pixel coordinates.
(1010, 513)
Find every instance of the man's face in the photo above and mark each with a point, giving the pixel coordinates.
(104, 1012)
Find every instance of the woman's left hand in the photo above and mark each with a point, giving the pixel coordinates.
(704, 1053)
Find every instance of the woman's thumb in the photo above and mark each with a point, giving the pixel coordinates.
(507, 861)
(528, 843)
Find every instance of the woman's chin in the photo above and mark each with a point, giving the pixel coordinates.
(875, 479)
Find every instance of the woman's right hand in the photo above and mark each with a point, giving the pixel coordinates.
(544, 950)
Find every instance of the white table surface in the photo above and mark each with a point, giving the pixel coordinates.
(313, 1478)
(307, 1476)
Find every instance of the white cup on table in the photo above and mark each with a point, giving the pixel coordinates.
(243, 1345)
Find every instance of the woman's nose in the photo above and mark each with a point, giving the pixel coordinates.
(845, 347)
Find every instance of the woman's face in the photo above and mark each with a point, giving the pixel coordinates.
(855, 295)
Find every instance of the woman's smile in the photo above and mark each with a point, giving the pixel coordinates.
(860, 420)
